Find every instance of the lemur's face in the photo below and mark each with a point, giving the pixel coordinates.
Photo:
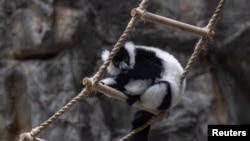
(121, 60)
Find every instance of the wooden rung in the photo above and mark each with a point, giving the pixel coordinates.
(111, 92)
(147, 16)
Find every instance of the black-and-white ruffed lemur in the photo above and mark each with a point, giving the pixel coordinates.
(147, 74)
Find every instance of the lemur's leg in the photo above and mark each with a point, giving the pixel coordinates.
(157, 96)
(140, 118)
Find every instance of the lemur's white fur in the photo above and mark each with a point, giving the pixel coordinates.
(108, 81)
(137, 87)
(111, 69)
(130, 47)
(172, 74)
(152, 96)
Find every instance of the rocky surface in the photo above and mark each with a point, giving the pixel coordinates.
(48, 46)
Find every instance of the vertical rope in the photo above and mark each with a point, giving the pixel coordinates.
(215, 16)
(204, 39)
(199, 46)
(116, 48)
(31, 136)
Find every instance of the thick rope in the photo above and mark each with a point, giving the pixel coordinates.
(30, 136)
(34, 132)
(199, 46)
(204, 39)
(114, 51)
(215, 16)
(27, 137)
(130, 27)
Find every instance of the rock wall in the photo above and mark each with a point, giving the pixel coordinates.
(48, 46)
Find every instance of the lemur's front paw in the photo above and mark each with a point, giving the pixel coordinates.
(108, 81)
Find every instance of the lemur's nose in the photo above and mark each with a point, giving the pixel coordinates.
(123, 66)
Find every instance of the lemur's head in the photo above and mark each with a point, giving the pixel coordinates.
(123, 60)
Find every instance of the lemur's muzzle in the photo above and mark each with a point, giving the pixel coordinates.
(123, 66)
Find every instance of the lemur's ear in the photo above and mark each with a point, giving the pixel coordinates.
(129, 45)
(105, 55)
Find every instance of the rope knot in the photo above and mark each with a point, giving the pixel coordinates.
(210, 33)
(31, 136)
(26, 137)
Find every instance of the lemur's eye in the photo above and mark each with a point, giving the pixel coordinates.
(116, 63)
(126, 59)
